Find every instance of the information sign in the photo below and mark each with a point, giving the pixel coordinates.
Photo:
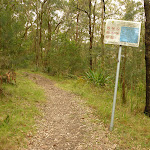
(122, 32)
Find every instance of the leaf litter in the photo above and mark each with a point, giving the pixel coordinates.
(67, 122)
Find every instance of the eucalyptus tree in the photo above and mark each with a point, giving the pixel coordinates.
(89, 8)
(131, 9)
(42, 3)
(105, 9)
(54, 16)
(147, 55)
(12, 24)
(102, 29)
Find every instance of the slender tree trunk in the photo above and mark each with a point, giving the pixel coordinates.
(147, 55)
(123, 77)
(0, 36)
(93, 30)
(26, 31)
(25, 34)
(90, 34)
(46, 53)
(49, 34)
(37, 37)
(102, 34)
(40, 40)
(49, 41)
(41, 23)
(77, 27)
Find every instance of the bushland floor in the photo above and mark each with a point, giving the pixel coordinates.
(67, 122)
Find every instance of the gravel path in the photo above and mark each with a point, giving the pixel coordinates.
(68, 124)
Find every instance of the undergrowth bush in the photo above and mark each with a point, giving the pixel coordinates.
(65, 58)
(98, 77)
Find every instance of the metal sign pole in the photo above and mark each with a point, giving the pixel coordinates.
(115, 91)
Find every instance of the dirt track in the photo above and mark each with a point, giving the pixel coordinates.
(68, 124)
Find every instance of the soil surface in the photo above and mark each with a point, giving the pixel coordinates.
(67, 122)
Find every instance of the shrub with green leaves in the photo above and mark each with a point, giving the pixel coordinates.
(65, 58)
(97, 77)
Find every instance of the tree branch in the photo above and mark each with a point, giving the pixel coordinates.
(113, 13)
(82, 10)
(44, 2)
(58, 24)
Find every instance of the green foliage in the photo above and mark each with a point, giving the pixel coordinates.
(65, 58)
(97, 77)
(11, 33)
(62, 55)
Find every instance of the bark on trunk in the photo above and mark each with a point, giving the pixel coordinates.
(90, 34)
(77, 27)
(40, 40)
(26, 31)
(102, 33)
(41, 23)
(93, 30)
(89, 13)
(37, 38)
(47, 59)
(49, 34)
(123, 78)
(147, 55)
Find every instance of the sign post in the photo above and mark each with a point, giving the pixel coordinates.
(125, 33)
(115, 91)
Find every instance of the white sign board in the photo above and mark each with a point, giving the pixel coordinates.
(122, 32)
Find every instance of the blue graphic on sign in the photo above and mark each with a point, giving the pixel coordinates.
(129, 34)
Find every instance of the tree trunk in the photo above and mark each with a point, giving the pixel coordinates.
(40, 40)
(93, 30)
(90, 34)
(123, 78)
(102, 33)
(41, 23)
(26, 31)
(25, 34)
(49, 34)
(147, 55)
(49, 43)
(77, 27)
(37, 37)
